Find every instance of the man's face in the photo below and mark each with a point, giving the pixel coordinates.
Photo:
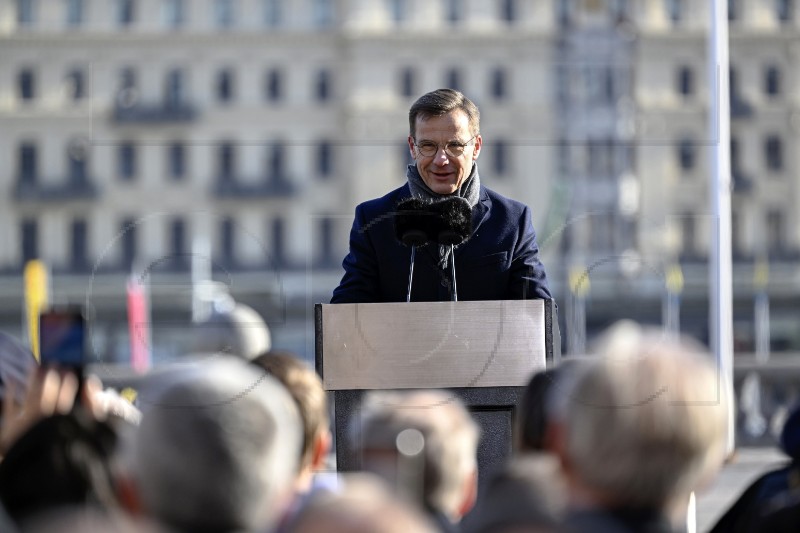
(442, 172)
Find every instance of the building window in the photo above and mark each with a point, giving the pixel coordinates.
(784, 10)
(733, 9)
(736, 233)
(174, 89)
(601, 158)
(500, 157)
(75, 85)
(601, 231)
(398, 10)
(685, 81)
(26, 84)
(226, 162)
(227, 241)
(174, 13)
(689, 235)
(325, 159)
(408, 85)
(453, 10)
(127, 231)
(177, 234)
(453, 79)
(278, 242)
(326, 256)
(322, 87)
(687, 154)
(224, 15)
(499, 83)
(225, 85)
(276, 161)
(177, 160)
(273, 85)
(323, 13)
(772, 81)
(25, 12)
(79, 256)
(28, 163)
(125, 12)
(273, 13)
(776, 232)
(773, 153)
(74, 13)
(77, 163)
(29, 239)
(126, 161)
(127, 95)
(675, 10)
(508, 11)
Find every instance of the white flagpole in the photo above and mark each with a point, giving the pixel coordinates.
(720, 277)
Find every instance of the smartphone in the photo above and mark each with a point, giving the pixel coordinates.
(63, 339)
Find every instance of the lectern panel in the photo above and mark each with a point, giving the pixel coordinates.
(431, 344)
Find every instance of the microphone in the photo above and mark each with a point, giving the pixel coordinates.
(412, 227)
(413, 222)
(447, 222)
(454, 221)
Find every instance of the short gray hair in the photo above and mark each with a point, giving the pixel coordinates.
(646, 419)
(450, 439)
(217, 447)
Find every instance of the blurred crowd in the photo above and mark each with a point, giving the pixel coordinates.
(237, 438)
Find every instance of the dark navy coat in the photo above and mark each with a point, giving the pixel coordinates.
(500, 261)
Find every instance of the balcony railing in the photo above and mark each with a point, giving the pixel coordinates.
(70, 189)
(231, 188)
(154, 114)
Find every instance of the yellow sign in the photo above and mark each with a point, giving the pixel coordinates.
(579, 281)
(36, 283)
(674, 279)
(761, 274)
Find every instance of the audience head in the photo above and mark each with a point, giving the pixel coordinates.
(238, 331)
(217, 449)
(62, 460)
(306, 389)
(526, 495)
(532, 418)
(645, 421)
(362, 505)
(441, 426)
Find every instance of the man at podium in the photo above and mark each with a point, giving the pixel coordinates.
(499, 260)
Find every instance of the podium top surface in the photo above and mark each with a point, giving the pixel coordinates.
(430, 344)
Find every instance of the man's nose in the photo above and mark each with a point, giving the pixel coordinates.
(441, 157)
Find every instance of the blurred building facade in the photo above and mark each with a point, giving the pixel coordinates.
(133, 128)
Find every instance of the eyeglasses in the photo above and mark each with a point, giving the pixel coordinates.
(453, 149)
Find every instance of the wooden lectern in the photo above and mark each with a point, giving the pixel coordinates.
(482, 351)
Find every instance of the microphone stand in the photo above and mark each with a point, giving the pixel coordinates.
(411, 273)
(453, 272)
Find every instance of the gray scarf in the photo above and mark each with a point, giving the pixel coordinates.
(470, 190)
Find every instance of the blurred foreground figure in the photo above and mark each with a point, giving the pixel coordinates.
(363, 505)
(238, 331)
(644, 425)
(424, 444)
(217, 449)
(526, 495)
(306, 389)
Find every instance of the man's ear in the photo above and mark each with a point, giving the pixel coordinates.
(470, 494)
(412, 148)
(477, 150)
(320, 449)
(128, 495)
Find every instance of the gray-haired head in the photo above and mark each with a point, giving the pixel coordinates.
(646, 419)
(447, 442)
(240, 331)
(217, 449)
